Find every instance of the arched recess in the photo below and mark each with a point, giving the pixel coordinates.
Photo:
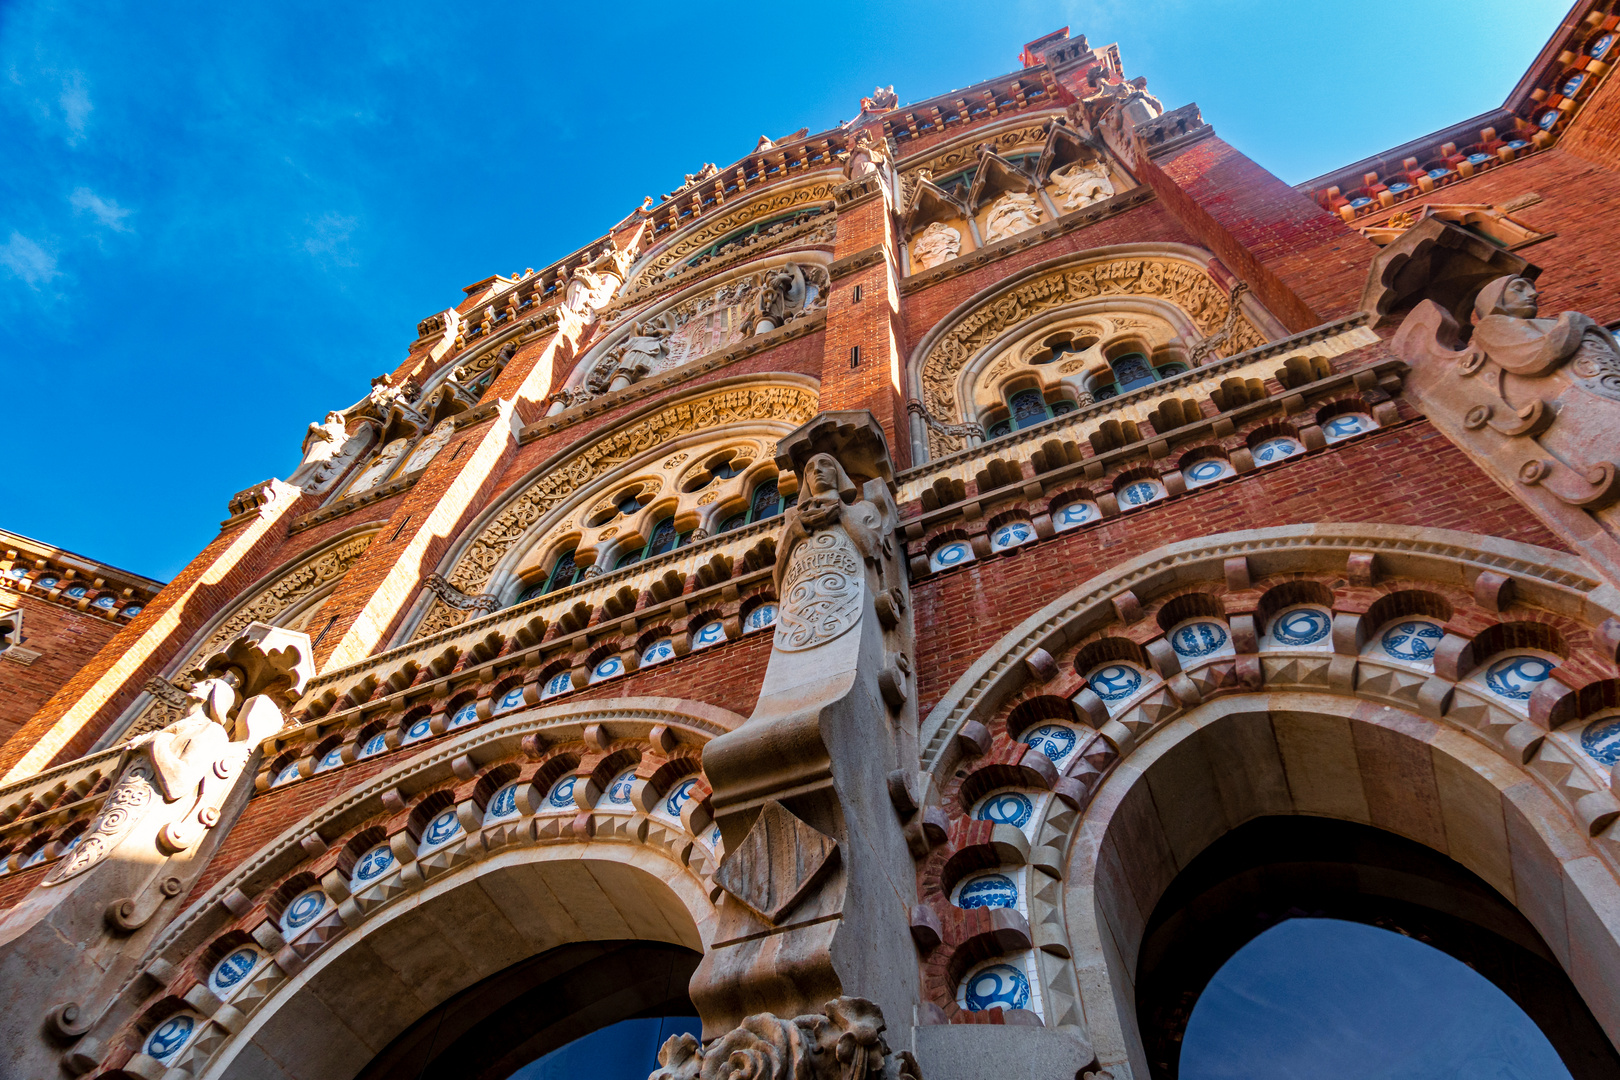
(670, 254)
(1174, 280)
(291, 595)
(490, 554)
(1157, 707)
(534, 831)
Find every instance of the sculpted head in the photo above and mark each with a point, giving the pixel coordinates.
(1514, 296)
(824, 476)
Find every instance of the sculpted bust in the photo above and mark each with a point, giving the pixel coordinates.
(939, 243)
(1011, 214)
(1508, 332)
(1081, 185)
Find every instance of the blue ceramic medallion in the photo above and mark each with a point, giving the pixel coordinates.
(442, 829)
(373, 864)
(1115, 682)
(1412, 641)
(1601, 740)
(676, 801)
(988, 891)
(997, 985)
(168, 1037)
(503, 805)
(1301, 626)
(1008, 808)
(1196, 640)
(1053, 740)
(1276, 449)
(562, 795)
(305, 909)
(761, 618)
(1516, 677)
(232, 971)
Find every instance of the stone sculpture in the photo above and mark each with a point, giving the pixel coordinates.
(882, 100)
(866, 155)
(592, 286)
(822, 557)
(844, 1043)
(780, 298)
(429, 448)
(1535, 401)
(643, 353)
(939, 243)
(1013, 213)
(380, 468)
(329, 449)
(1077, 185)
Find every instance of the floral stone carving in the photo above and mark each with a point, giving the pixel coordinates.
(846, 1043)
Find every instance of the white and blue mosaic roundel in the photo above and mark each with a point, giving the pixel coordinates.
(288, 774)
(1207, 471)
(993, 890)
(1412, 640)
(608, 668)
(761, 618)
(1141, 492)
(303, 911)
(230, 973)
(373, 864)
(1346, 425)
(1006, 808)
(562, 795)
(710, 633)
(512, 699)
(618, 792)
(1301, 626)
(169, 1037)
(1516, 677)
(1056, 741)
(560, 683)
(374, 745)
(995, 985)
(1115, 682)
(1199, 638)
(444, 828)
(1012, 535)
(1601, 739)
(132, 609)
(1276, 449)
(419, 730)
(331, 759)
(677, 799)
(659, 651)
(466, 714)
(1075, 514)
(952, 554)
(105, 603)
(503, 805)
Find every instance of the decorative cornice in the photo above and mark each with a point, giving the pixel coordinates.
(1173, 131)
(858, 261)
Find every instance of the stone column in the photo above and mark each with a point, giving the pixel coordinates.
(819, 879)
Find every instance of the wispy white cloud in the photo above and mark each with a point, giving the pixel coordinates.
(106, 211)
(74, 102)
(28, 261)
(329, 243)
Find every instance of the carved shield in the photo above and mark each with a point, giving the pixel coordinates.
(821, 592)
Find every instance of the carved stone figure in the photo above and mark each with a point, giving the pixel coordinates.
(781, 297)
(328, 450)
(844, 1044)
(592, 286)
(644, 352)
(938, 243)
(882, 100)
(866, 155)
(1013, 213)
(1079, 185)
(822, 557)
(1535, 401)
(380, 469)
(429, 448)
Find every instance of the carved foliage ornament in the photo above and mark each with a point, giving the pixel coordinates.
(1182, 283)
(696, 241)
(786, 404)
(844, 1044)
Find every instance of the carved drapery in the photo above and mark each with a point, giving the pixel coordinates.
(1183, 283)
(694, 242)
(844, 1044)
(784, 404)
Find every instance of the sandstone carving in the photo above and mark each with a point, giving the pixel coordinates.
(429, 448)
(667, 261)
(1077, 186)
(866, 156)
(1011, 214)
(328, 450)
(939, 243)
(844, 1043)
(882, 100)
(380, 468)
(822, 557)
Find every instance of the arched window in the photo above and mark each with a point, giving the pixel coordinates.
(1028, 408)
(664, 538)
(563, 572)
(1130, 371)
(766, 502)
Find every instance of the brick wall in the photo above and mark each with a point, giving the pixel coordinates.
(67, 640)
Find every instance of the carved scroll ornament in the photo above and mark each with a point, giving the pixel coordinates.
(1184, 284)
(823, 553)
(695, 241)
(844, 1044)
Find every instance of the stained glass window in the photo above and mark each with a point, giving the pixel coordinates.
(563, 572)
(664, 537)
(767, 503)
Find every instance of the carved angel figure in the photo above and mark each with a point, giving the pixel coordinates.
(429, 447)
(939, 243)
(829, 501)
(1081, 185)
(643, 350)
(781, 297)
(328, 450)
(380, 469)
(1011, 214)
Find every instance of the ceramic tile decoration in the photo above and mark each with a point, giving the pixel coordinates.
(1072, 515)
(46, 581)
(132, 609)
(995, 985)
(710, 633)
(1207, 471)
(171, 1036)
(374, 745)
(1012, 535)
(607, 668)
(35, 857)
(231, 973)
(288, 774)
(1005, 808)
(995, 889)
(76, 592)
(1200, 639)
(561, 796)
(1057, 741)
(952, 554)
(1411, 641)
(1116, 682)
(762, 617)
(419, 730)
(1515, 676)
(617, 795)
(560, 683)
(332, 759)
(512, 699)
(1302, 627)
(301, 914)
(444, 827)
(659, 651)
(1348, 425)
(678, 797)
(1140, 493)
(467, 714)
(371, 866)
(1274, 450)
(1601, 739)
(105, 603)
(503, 805)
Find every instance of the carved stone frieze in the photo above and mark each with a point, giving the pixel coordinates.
(783, 403)
(1186, 285)
(687, 246)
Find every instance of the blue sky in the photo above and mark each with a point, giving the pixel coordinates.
(219, 221)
